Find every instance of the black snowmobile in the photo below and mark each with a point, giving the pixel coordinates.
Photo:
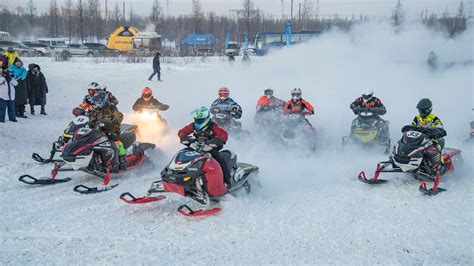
(227, 120)
(195, 174)
(410, 156)
(295, 131)
(77, 123)
(90, 151)
(367, 130)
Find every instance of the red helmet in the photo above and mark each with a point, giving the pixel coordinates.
(147, 93)
(224, 93)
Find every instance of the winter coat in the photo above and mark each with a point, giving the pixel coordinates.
(140, 104)
(11, 57)
(226, 106)
(298, 107)
(372, 103)
(108, 113)
(156, 62)
(7, 88)
(3, 62)
(21, 90)
(212, 131)
(37, 87)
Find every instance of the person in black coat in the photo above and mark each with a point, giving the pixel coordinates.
(156, 67)
(37, 88)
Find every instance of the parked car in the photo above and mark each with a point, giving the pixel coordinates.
(101, 50)
(73, 50)
(20, 48)
(52, 42)
(41, 48)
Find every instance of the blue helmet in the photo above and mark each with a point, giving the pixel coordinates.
(201, 117)
(100, 100)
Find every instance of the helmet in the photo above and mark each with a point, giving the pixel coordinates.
(93, 88)
(367, 96)
(268, 92)
(425, 107)
(147, 93)
(224, 93)
(296, 94)
(201, 118)
(100, 100)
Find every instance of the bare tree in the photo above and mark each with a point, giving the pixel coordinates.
(131, 15)
(53, 18)
(156, 15)
(80, 16)
(31, 7)
(398, 15)
(197, 16)
(248, 14)
(306, 13)
(117, 15)
(67, 13)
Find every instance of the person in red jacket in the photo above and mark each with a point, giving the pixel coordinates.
(268, 102)
(298, 104)
(215, 135)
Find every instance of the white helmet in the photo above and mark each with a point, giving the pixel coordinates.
(296, 94)
(367, 96)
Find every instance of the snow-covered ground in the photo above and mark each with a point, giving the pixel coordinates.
(309, 209)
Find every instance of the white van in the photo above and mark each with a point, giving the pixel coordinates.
(53, 41)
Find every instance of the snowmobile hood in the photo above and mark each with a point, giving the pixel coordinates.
(185, 156)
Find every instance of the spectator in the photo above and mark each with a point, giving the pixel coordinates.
(11, 55)
(7, 95)
(156, 67)
(37, 88)
(21, 90)
(3, 63)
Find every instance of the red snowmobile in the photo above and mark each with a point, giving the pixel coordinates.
(195, 174)
(410, 156)
(91, 151)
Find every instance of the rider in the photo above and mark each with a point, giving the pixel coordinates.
(86, 104)
(215, 135)
(108, 118)
(268, 102)
(298, 105)
(147, 100)
(375, 105)
(225, 104)
(426, 119)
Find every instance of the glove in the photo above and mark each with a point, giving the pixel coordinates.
(193, 146)
(105, 123)
(306, 112)
(207, 148)
(215, 143)
(186, 140)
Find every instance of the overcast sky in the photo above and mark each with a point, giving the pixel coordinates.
(274, 7)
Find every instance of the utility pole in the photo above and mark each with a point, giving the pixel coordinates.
(168, 8)
(299, 15)
(282, 9)
(106, 16)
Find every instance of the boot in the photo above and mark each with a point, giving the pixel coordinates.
(122, 163)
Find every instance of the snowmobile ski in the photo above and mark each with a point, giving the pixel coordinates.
(40, 159)
(434, 190)
(375, 180)
(188, 212)
(30, 180)
(130, 199)
(82, 189)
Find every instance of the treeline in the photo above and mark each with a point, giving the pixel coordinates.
(86, 20)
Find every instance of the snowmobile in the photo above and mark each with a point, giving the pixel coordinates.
(77, 123)
(408, 156)
(295, 130)
(366, 131)
(226, 120)
(195, 174)
(91, 151)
